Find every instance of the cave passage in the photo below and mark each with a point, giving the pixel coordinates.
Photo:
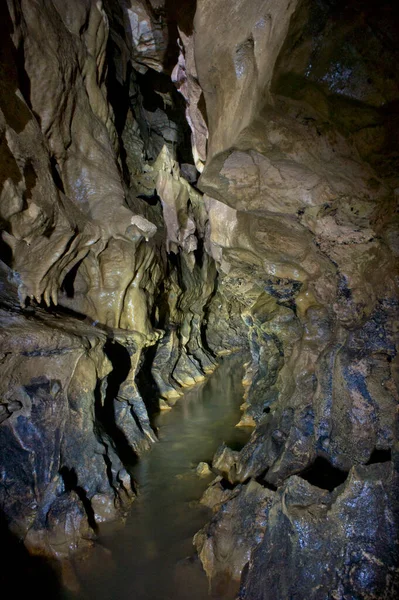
(152, 557)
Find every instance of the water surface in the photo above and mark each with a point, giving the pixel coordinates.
(152, 557)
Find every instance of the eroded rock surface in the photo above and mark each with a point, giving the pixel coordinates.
(183, 180)
(104, 271)
(301, 213)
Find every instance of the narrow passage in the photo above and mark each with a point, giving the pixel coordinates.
(152, 557)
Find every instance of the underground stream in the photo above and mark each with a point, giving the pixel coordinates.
(152, 557)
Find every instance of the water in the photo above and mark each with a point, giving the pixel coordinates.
(152, 557)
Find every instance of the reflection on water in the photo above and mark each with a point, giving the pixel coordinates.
(152, 557)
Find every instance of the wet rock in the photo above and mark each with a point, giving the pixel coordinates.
(224, 462)
(217, 493)
(319, 311)
(286, 247)
(225, 544)
(54, 434)
(163, 405)
(104, 508)
(148, 35)
(353, 530)
(203, 469)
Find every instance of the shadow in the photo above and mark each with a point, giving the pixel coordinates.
(322, 474)
(379, 456)
(105, 413)
(207, 312)
(160, 94)
(58, 310)
(152, 199)
(8, 166)
(30, 177)
(70, 480)
(147, 385)
(118, 83)
(23, 575)
(178, 15)
(153, 91)
(5, 252)
(68, 285)
(145, 381)
(262, 481)
(55, 172)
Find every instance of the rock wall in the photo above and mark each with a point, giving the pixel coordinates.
(105, 280)
(302, 197)
(182, 180)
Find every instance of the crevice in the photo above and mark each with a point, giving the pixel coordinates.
(158, 96)
(117, 82)
(227, 485)
(105, 412)
(5, 252)
(70, 480)
(108, 465)
(151, 199)
(58, 310)
(179, 15)
(147, 385)
(379, 456)
(68, 285)
(322, 474)
(262, 481)
(56, 174)
(206, 314)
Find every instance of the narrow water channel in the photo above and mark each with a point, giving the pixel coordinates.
(152, 557)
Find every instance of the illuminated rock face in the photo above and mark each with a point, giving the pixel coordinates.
(304, 159)
(102, 258)
(179, 182)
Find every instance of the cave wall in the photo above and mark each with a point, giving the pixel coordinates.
(104, 273)
(304, 179)
(179, 181)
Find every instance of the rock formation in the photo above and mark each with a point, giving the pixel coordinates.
(182, 180)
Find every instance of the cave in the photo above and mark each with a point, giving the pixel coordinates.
(199, 299)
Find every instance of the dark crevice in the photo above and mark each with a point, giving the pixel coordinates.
(151, 199)
(322, 474)
(5, 252)
(178, 15)
(70, 480)
(199, 252)
(108, 466)
(137, 421)
(30, 177)
(120, 359)
(207, 311)
(147, 385)
(262, 481)
(118, 82)
(105, 412)
(68, 285)
(380, 456)
(57, 310)
(13, 76)
(23, 79)
(157, 93)
(202, 108)
(56, 174)
(227, 485)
